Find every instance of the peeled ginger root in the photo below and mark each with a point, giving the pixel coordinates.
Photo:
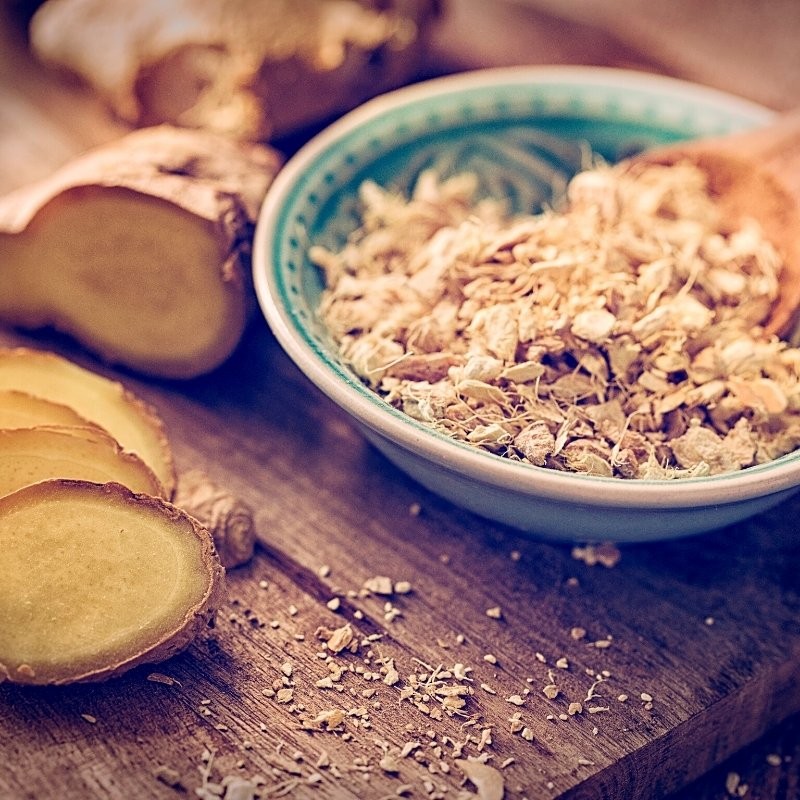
(134, 424)
(140, 249)
(95, 580)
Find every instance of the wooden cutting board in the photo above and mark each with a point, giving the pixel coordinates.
(678, 655)
(707, 627)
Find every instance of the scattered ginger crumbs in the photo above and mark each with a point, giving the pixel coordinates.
(620, 338)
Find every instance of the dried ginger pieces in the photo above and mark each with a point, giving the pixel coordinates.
(621, 337)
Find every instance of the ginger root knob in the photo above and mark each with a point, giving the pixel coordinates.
(229, 519)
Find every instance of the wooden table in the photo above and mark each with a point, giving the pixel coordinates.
(701, 635)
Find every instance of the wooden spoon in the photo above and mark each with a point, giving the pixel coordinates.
(756, 174)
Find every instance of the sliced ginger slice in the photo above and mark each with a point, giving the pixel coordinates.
(95, 580)
(20, 409)
(139, 249)
(30, 455)
(132, 422)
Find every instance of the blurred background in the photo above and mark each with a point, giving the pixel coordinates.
(51, 111)
(748, 47)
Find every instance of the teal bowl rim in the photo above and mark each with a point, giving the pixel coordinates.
(347, 146)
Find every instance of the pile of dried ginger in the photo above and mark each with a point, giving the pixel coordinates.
(620, 337)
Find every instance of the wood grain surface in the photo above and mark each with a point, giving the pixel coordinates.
(701, 635)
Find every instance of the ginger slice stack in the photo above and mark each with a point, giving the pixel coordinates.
(131, 421)
(100, 572)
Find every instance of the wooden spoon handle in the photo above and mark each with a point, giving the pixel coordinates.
(774, 154)
(756, 174)
(774, 148)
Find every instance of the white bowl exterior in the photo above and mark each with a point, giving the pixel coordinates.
(570, 521)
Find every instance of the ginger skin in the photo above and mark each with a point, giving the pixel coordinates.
(228, 518)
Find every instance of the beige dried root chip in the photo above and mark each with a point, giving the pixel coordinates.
(619, 337)
(339, 639)
(487, 780)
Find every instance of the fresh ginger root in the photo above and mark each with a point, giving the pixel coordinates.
(95, 580)
(140, 249)
(246, 68)
(228, 518)
(133, 423)
(77, 424)
(30, 455)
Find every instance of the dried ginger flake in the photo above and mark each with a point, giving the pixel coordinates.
(621, 336)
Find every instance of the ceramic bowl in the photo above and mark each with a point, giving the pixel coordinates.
(483, 122)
